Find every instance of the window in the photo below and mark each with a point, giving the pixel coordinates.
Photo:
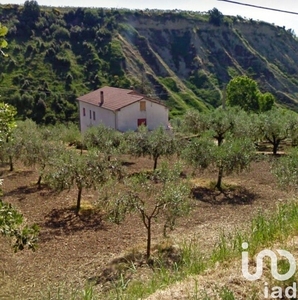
(142, 122)
(94, 115)
(84, 112)
(142, 105)
(90, 114)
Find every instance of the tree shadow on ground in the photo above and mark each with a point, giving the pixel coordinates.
(234, 196)
(127, 163)
(21, 191)
(14, 174)
(65, 221)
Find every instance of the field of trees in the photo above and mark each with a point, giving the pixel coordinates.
(116, 207)
(156, 214)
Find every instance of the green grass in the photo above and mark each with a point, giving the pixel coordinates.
(170, 83)
(66, 293)
(264, 230)
(222, 293)
(192, 262)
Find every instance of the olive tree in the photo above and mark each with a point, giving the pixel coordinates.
(69, 134)
(223, 142)
(198, 152)
(247, 125)
(38, 148)
(7, 126)
(154, 143)
(82, 171)
(285, 169)
(16, 147)
(192, 123)
(293, 127)
(220, 123)
(104, 139)
(231, 156)
(275, 127)
(162, 195)
(234, 131)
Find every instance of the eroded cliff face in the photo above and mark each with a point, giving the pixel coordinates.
(201, 57)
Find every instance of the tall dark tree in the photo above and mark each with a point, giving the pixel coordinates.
(31, 11)
(215, 17)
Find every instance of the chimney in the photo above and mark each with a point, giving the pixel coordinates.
(101, 98)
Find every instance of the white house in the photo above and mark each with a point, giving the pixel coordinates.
(121, 109)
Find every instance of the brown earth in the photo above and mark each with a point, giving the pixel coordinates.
(74, 249)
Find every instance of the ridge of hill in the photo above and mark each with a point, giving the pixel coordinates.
(183, 58)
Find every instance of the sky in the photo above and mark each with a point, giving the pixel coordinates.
(282, 19)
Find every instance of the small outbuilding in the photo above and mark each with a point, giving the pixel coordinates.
(121, 109)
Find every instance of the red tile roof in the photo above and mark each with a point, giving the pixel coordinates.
(114, 98)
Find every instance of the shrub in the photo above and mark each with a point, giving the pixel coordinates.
(61, 33)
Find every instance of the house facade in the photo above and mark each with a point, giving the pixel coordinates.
(121, 109)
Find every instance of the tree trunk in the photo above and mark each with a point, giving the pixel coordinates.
(10, 157)
(10, 163)
(155, 163)
(39, 181)
(40, 176)
(219, 178)
(148, 239)
(79, 200)
(275, 147)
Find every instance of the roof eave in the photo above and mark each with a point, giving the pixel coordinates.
(97, 105)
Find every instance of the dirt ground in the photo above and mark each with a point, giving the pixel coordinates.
(73, 249)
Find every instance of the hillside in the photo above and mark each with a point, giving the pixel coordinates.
(55, 55)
